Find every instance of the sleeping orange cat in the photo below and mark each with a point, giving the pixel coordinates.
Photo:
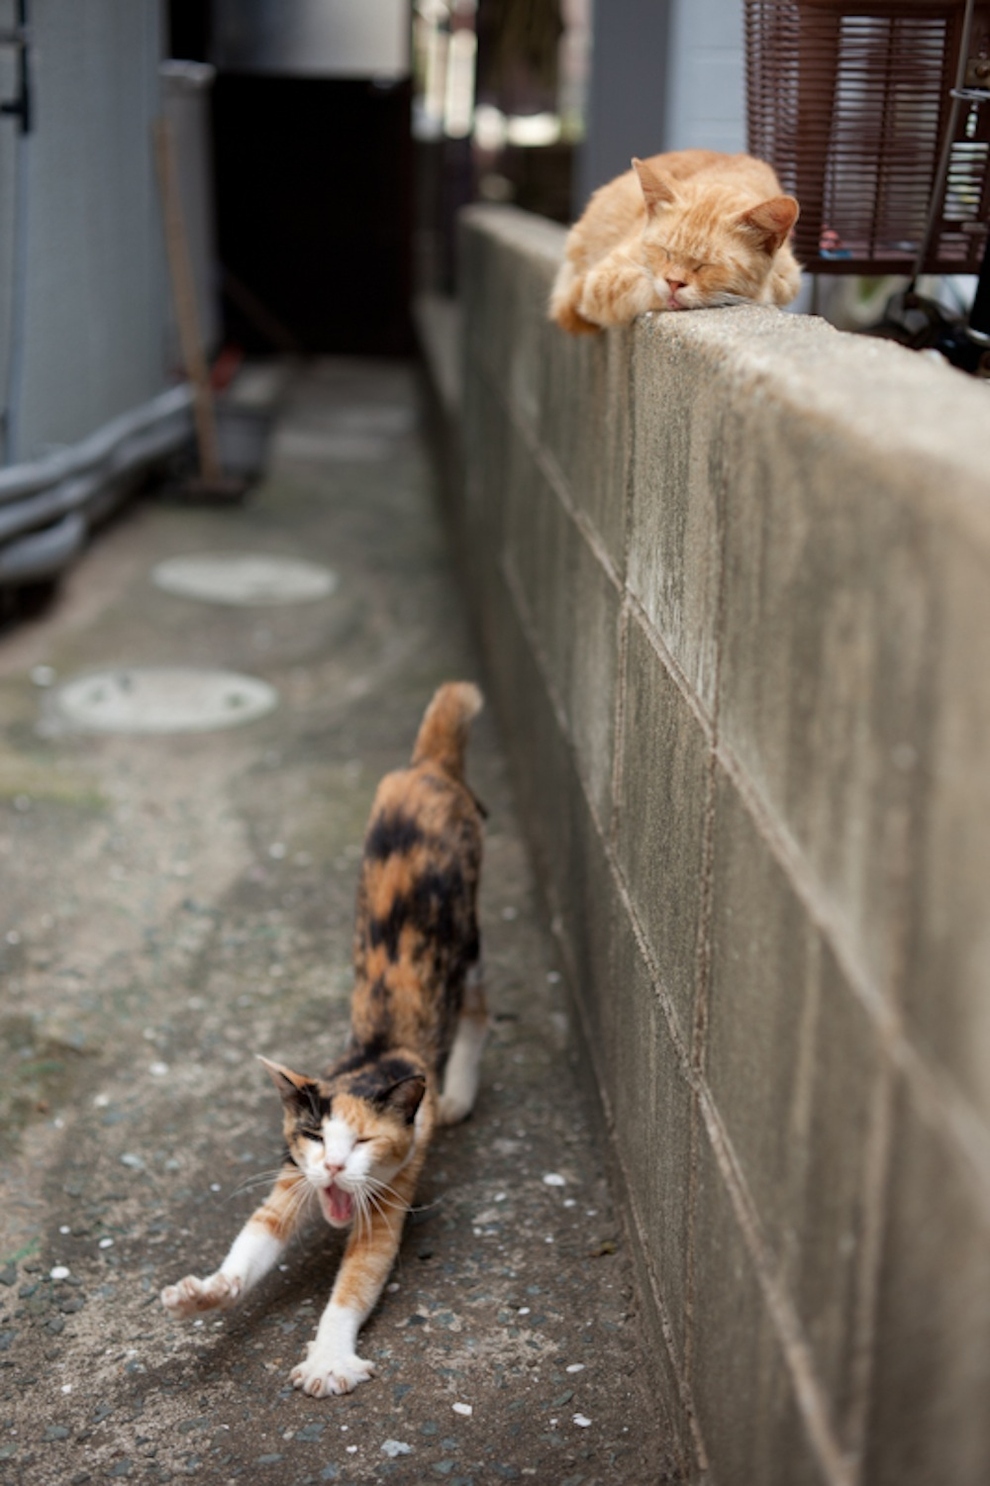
(687, 230)
(356, 1138)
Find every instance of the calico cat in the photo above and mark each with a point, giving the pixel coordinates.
(682, 231)
(356, 1138)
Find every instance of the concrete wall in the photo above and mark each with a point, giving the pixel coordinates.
(732, 571)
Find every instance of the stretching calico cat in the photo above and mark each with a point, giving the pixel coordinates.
(357, 1137)
(682, 231)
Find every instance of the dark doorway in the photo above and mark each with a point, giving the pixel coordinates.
(313, 211)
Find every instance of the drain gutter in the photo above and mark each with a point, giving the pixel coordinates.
(48, 506)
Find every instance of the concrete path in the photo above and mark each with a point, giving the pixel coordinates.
(174, 904)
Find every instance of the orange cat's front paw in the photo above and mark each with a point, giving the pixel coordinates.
(569, 319)
(326, 1372)
(192, 1296)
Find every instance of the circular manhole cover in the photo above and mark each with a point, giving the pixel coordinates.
(244, 578)
(162, 699)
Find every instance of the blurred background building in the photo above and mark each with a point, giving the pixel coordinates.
(324, 149)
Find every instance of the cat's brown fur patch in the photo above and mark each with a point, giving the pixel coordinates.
(683, 230)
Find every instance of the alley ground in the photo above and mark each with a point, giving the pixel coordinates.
(173, 905)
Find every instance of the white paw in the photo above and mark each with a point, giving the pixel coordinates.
(190, 1296)
(452, 1108)
(327, 1372)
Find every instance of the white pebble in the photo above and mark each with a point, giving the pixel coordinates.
(524, 1310)
(463, 1408)
(66, 1387)
(392, 1287)
(159, 1070)
(392, 1448)
(65, 1228)
(60, 1272)
(570, 1202)
(351, 1449)
(215, 1187)
(554, 1179)
(575, 1367)
(277, 850)
(581, 1421)
(106, 1243)
(553, 977)
(100, 1101)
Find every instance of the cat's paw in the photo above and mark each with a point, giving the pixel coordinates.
(321, 1373)
(191, 1295)
(453, 1108)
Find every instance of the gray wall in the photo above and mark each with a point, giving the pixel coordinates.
(665, 75)
(627, 90)
(93, 297)
(8, 198)
(732, 572)
(706, 70)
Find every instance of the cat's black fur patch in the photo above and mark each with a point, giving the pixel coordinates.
(392, 834)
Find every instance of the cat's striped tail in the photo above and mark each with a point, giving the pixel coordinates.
(442, 735)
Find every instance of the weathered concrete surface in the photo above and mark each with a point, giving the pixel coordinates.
(173, 906)
(732, 573)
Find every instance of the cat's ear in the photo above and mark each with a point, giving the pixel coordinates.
(770, 222)
(404, 1096)
(295, 1088)
(656, 185)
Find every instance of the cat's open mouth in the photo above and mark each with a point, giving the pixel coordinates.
(337, 1205)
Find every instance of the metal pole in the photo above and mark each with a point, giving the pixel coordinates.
(942, 174)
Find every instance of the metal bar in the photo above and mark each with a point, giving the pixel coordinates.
(942, 174)
(979, 315)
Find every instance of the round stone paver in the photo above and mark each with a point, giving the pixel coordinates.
(162, 699)
(246, 578)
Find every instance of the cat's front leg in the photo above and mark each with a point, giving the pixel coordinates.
(616, 291)
(565, 298)
(255, 1250)
(331, 1364)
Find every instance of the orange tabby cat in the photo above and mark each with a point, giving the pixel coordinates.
(356, 1139)
(683, 231)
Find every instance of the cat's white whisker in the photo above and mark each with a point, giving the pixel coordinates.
(380, 1186)
(261, 1179)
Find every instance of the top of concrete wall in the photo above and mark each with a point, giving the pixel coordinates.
(927, 421)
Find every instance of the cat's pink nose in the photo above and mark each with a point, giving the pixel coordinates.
(332, 1168)
(675, 284)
